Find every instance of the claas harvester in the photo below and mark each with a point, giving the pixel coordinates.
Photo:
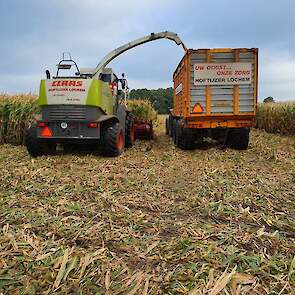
(87, 107)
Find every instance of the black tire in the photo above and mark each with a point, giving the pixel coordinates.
(170, 122)
(167, 126)
(238, 138)
(174, 130)
(179, 134)
(113, 141)
(129, 131)
(151, 132)
(38, 147)
(184, 140)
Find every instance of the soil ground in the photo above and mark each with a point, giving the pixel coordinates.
(156, 220)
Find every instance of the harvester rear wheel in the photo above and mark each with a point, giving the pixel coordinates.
(113, 140)
(129, 131)
(35, 146)
(238, 138)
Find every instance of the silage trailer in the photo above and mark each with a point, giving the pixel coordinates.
(215, 95)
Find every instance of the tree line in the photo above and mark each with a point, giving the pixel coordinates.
(162, 98)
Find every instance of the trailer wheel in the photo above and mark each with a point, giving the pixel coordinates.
(238, 138)
(170, 122)
(167, 126)
(184, 140)
(175, 123)
(179, 134)
(35, 146)
(129, 131)
(113, 140)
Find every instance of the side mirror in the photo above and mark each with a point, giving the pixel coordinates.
(47, 74)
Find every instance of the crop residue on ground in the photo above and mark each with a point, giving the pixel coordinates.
(154, 220)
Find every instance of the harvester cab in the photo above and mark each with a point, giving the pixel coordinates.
(87, 106)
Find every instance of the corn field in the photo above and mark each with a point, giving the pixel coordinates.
(15, 113)
(276, 118)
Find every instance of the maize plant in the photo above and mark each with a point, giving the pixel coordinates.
(276, 118)
(16, 112)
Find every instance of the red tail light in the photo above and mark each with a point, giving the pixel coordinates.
(46, 132)
(93, 125)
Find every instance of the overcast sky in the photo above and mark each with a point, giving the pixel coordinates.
(34, 33)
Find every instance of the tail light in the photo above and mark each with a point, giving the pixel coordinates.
(93, 125)
(46, 132)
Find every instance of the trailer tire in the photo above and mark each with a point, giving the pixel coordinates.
(175, 121)
(184, 140)
(170, 122)
(167, 126)
(238, 138)
(35, 146)
(113, 140)
(129, 131)
(178, 134)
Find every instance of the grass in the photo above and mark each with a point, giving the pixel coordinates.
(276, 118)
(156, 220)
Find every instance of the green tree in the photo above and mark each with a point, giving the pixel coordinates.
(162, 98)
(268, 99)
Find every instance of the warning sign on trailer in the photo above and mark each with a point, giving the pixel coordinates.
(238, 73)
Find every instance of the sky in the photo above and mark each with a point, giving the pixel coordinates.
(35, 33)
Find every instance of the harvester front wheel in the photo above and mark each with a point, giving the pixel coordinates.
(238, 138)
(113, 140)
(35, 146)
(129, 131)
